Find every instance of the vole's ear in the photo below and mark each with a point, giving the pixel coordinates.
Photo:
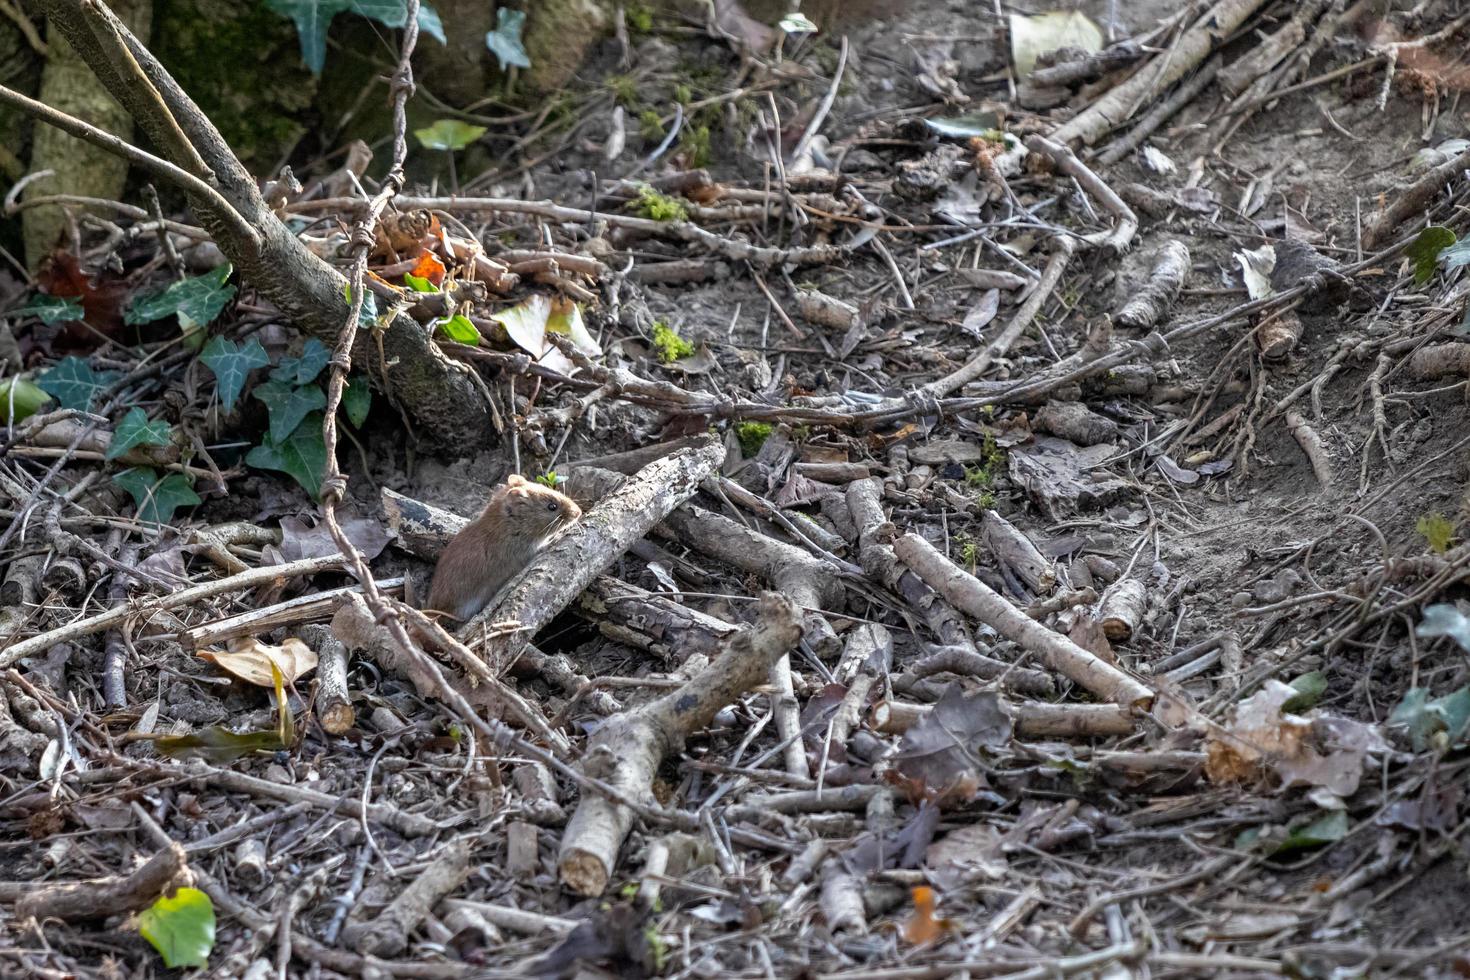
(515, 480)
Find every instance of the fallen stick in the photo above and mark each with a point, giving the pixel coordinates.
(1311, 444)
(1062, 157)
(973, 596)
(1115, 108)
(145, 608)
(1406, 202)
(302, 609)
(563, 570)
(622, 612)
(627, 749)
(387, 934)
(100, 897)
(980, 363)
(1032, 720)
(1165, 279)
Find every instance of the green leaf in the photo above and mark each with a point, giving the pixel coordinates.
(220, 745)
(1443, 619)
(367, 315)
(157, 499)
(1424, 250)
(1331, 826)
(231, 365)
(181, 927)
(19, 400)
(449, 134)
(459, 328)
(1442, 721)
(419, 284)
(1456, 255)
(287, 405)
(797, 23)
(1454, 708)
(1309, 690)
(136, 430)
(196, 301)
(74, 384)
(303, 455)
(51, 309)
(505, 41)
(394, 13)
(304, 369)
(312, 18)
(357, 398)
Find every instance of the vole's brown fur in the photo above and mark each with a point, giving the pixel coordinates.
(488, 552)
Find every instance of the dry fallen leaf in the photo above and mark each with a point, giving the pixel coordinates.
(250, 660)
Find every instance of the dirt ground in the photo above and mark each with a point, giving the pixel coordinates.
(1232, 834)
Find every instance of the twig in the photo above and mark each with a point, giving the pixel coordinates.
(1056, 651)
(144, 609)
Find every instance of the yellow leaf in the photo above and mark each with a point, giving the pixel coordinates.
(251, 661)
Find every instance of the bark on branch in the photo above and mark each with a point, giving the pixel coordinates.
(628, 749)
(398, 355)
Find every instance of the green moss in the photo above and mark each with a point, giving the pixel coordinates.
(640, 19)
(241, 62)
(752, 436)
(624, 90)
(969, 553)
(659, 207)
(668, 346)
(992, 462)
(1437, 530)
(650, 125)
(695, 146)
(683, 94)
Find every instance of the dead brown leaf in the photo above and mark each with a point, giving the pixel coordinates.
(249, 660)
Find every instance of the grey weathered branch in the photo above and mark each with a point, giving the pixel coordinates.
(628, 749)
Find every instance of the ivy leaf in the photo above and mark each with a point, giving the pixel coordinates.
(449, 134)
(312, 18)
(157, 499)
(459, 329)
(505, 41)
(51, 309)
(304, 369)
(231, 365)
(196, 301)
(287, 405)
(357, 398)
(19, 400)
(74, 384)
(1309, 689)
(303, 456)
(1333, 826)
(418, 284)
(394, 13)
(181, 927)
(1424, 250)
(136, 430)
(1443, 619)
(1456, 255)
(797, 23)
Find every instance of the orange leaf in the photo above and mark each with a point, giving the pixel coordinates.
(922, 927)
(429, 267)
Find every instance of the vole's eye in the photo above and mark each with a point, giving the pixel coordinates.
(551, 505)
